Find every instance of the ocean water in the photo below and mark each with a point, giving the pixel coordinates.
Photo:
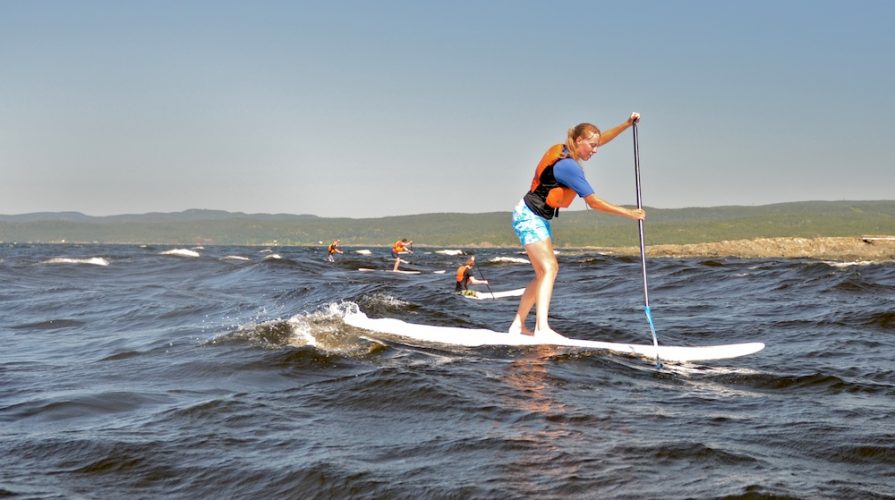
(227, 372)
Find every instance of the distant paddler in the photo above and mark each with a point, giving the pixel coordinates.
(465, 278)
(332, 250)
(401, 247)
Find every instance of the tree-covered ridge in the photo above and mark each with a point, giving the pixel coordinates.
(571, 229)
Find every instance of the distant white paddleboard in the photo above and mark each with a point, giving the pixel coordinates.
(476, 337)
(481, 295)
(387, 270)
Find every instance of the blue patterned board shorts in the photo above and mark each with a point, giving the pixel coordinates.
(530, 227)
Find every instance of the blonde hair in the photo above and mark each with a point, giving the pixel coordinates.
(585, 130)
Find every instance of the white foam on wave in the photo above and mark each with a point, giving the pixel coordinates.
(181, 252)
(511, 260)
(364, 252)
(301, 331)
(449, 252)
(273, 256)
(843, 265)
(382, 299)
(234, 257)
(94, 261)
(325, 330)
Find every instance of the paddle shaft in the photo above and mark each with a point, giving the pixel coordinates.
(646, 308)
(476, 266)
(640, 221)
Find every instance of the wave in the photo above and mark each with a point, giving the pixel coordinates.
(322, 329)
(855, 263)
(815, 382)
(509, 260)
(884, 319)
(381, 303)
(449, 252)
(686, 451)
(234, 257)
(181, 252)
(274, 333)
(86, 404)
(94, 261)
(864, 454)
(51, 324)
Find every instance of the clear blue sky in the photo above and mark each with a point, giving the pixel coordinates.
(374, 108)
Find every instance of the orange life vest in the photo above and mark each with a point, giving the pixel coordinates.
(463, 274)
(546, 195)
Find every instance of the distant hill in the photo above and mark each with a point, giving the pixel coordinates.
(571, 229)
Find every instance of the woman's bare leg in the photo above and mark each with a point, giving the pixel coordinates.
(540, 290)
(525, 304)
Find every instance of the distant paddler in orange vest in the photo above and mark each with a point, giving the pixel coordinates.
(402, 246)
(332, 250)
(558, 179)
(465, 278)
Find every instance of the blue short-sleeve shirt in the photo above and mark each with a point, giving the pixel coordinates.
(569, 173)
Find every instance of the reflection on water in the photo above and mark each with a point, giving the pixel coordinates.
(528, 375)
(539, 432)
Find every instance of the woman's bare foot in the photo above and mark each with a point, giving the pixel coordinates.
(547, 334)
(516, 329)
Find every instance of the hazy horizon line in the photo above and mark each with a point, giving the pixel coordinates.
(239, 212)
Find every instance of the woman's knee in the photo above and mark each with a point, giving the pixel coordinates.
(551, 268)
(547, 269)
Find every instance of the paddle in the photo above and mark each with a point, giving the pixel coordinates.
(476, 266)
(646, 309)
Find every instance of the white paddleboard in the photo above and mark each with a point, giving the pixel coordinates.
(482, 295)
(476, 337)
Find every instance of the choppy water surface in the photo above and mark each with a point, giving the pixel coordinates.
(227, 371)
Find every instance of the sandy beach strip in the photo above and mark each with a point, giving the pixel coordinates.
(839, 249)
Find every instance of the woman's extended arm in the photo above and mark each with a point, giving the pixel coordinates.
(613, 132)
(596, 203)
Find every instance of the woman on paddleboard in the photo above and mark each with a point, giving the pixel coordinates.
(558, 179)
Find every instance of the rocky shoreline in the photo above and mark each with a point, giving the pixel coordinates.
(839, 249)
